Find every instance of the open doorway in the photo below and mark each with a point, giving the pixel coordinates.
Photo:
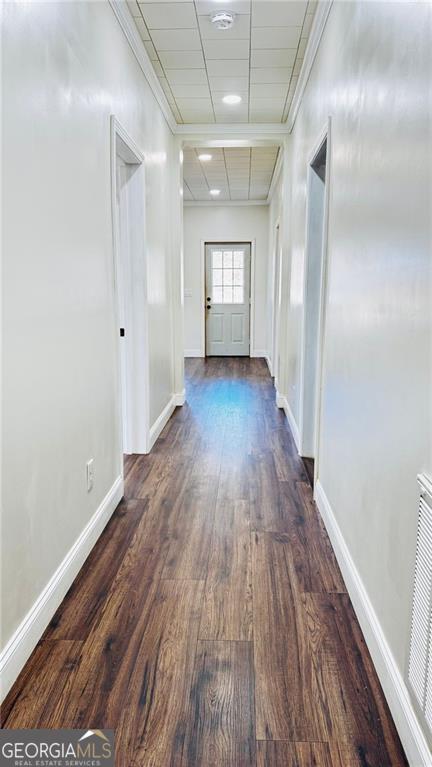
(276, 305)
(313, 302)
(130, 284)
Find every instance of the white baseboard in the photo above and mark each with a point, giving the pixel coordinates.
(269, 365)
(180, 398)
(194, 353)
(282, 402)
(262, 353)
(162, 420)
(395, 690)
(24, 640)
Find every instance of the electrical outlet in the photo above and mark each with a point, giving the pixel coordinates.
(90, 475)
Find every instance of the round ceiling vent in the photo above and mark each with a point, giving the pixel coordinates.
(222, 19)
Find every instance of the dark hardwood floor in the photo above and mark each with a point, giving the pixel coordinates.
(210, 626)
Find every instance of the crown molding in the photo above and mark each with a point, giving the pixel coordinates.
(236, 131)
(222, 204)
(125, 19)
(317, 29)
(250, 133)
(276, 174)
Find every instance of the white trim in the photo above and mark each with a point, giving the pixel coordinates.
(276, 174)
(323, 297)
(317, 29)
(223, 204)
(27, 635)
(179, 398)
(126, 21)
(282, 403)
(395, 690)
(268, 361)
(162, 420)
(259, 353)
(240, 130)
(324, 135)
(137, 362)
(193, 353)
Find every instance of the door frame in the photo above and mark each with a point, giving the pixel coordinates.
(276, 294)
(324, 135)
(221, 241)
(137, 349)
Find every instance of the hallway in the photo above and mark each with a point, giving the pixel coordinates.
(210, 625)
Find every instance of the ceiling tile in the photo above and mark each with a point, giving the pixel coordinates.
(226, 49)
(187, 76)
(190, 91)
(230, 84)
(271, 75)
(181, 60)
(201, 104)
(197, 116)
(209, 6)
(268, 90)
(222, 67)
(176, 39)
(240, 30)
(274, 13)
(271, 38)
(169, 15)
(277, 58)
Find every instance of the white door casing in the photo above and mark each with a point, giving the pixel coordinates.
(227, 299)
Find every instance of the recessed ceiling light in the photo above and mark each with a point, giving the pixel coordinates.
(232, 98)
(222, 19)
(205, 157)
(214, 192)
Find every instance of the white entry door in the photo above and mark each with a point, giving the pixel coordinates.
(227, 299)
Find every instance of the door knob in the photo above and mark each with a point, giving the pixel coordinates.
(208, 298)
(208, 306)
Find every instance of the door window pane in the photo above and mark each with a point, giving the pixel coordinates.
(228, 259)
(217, 295)
(238, 259)
(217, 259)
(217, 277)
(237, 295)
(227, 277)
(227, 295)
(238, 277)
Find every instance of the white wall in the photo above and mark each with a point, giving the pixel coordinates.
(66, 68)
(372, 75)
(236, 223)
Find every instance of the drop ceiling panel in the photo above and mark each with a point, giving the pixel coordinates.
(240, 30)
(239, 173)
(169, 15)
(259, 58)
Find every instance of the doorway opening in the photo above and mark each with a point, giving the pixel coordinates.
(227, 299)
(130, 287)
(313, 303)
(276, 305)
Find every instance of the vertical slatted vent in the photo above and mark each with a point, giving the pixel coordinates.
(420, 660)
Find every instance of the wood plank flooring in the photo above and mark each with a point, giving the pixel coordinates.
(210, 625)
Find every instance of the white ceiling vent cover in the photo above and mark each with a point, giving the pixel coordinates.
(420, 659)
